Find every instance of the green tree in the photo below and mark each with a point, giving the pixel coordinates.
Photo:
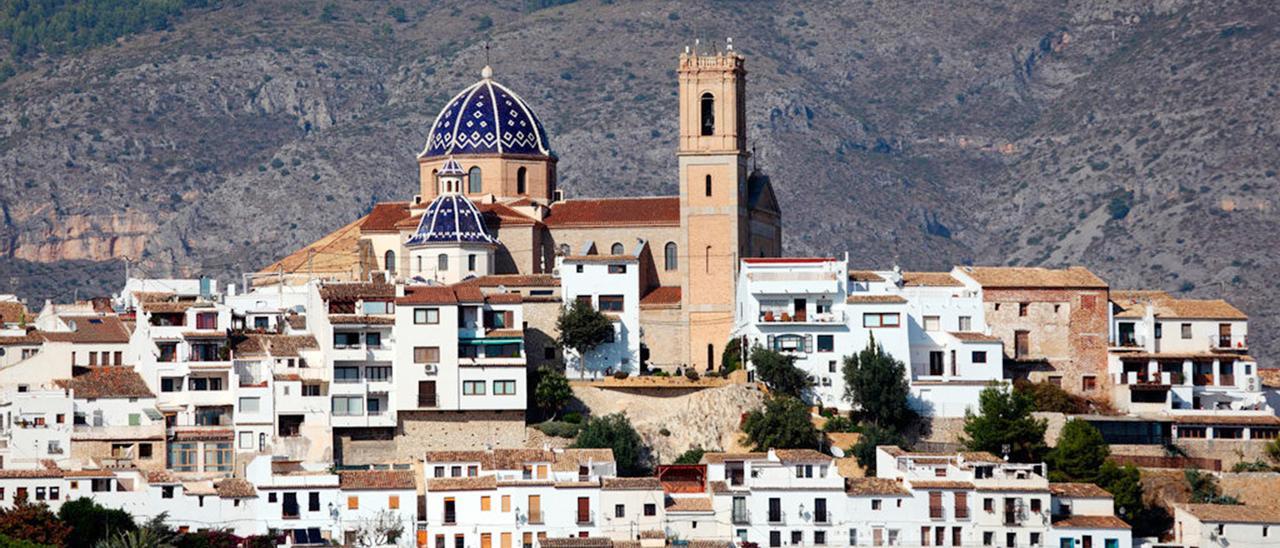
(783, 423)
(1004, 422)
(1205, 489)
(779, 372)
(1080, 453)
(552, 391)
(692, 456)
(731, 358)
(870, 438)
(91, 522)
(615, 432)
(33, 523)
(397, 13)
(877, 385)
(1125, 485)
(582, 329)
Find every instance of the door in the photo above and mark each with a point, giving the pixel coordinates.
(1087, 541)
(535, 509)
(801, 312)
(1021, 344)
(486, 540)
(289, 507)
(1224, 335)
(426, 393)
(775, 510)
(935, 363)
(584, 510)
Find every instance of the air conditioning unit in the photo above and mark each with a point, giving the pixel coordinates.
(430, 369)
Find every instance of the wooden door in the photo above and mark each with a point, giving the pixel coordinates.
(535, 509)
(486, 540)
(1021, 344)
(427, 394)
(584, 510)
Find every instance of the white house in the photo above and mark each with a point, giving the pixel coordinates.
(380, 507)
(612, 285)
(1199, 525)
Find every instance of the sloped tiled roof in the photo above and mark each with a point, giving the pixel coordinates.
(971, 336)
(33, 473)
(476, 483)
(235, 488)
(720, 458)
(666, 295)
(689, 504)
(336, 252)
(864, 276)
(570, 459)
(105, 328)
(280, 346)
(873, 486)
(1075, 277)
(1079, 490)
(353, 291)
(108, 382)
(1134, 304)
(428, 294)
(514, 280)
(499, 215)
(1090, 522)
(12, 312)
(376, 479)
(940, 484)
(1232, 513)
(1270, 377)
(632, 484)
(612, 212)
(384, 217)
(32, 337)
(929, 279)
(800, 455)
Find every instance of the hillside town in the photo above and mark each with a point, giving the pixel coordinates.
(419, 377)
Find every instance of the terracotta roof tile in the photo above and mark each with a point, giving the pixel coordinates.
(874, 299)
(235, 488)
(505, 334)
(428, 294)
(608, 212)
(864, 276)
(33, 473)
(514, 280)
(12, 312)
(483, 457)
(1076, 277)
(91, 329)
(1232, 513)
(503, 298)
(800, 455)
(514, 459)
(477, 483)
(1090, 522)
(1270, 377)
(353, 291)
(32, 337)
(1134, 304)
(873, 486)
(360, 319)
(384, 217)
(570, 459)
(940, 484)
(689, 504)
(930, 279)
(280, 346)
(203, 434)
(108, 382)
(337, 252)
(720, 458)
(377, 479)
(1079, 490)
(980, 456)
(159, 477)
(296, 321)
(1228, 419)
(666, 295)
(497, 215)
(600, 258)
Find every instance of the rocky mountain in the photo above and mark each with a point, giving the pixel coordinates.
(1138, 138)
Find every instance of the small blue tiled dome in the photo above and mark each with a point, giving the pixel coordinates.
(486, 118)
(451, 218)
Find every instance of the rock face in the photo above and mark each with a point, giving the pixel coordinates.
(1136, 138)
(707, 418)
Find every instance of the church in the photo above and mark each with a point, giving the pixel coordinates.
(488, 206)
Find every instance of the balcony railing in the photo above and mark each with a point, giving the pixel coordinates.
(777, 519)
(741, 516)
(822, 517)
(787, 317)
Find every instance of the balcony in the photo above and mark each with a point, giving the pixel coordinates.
(586, 518)
(777, 519)
(773, 317)
(741, 516)
(822, 518)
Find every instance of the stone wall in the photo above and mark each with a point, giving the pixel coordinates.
(664, 336)
(421, 431)
(1067, 335)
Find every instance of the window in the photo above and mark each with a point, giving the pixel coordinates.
(426, 354)
(616, 249)
(389, 261)
(506, 503)
(442, 262)
(522, 176)
(1035, 505)
(311, 390)
(217, 457)
(617, 269)
(988, 505)
(249, 405)
(290, 426)
(353, 502)
(347, 406)
(474, 181)
(875, 504)
(205, 384)
(1089, 383)
(619, 510)
(504, 388)
(880, 319)
(168, 351)
(246, 440)
(144, 451)
(1159, 334)
(426, 316)
(932, 323)
(472, 388)
(650, 509)
(373, 339)
(965, 323)
(708, 105)
(853, 537)
(708, 184)
(377, 373)
(826, 343)
(1023, 308)
(207, 320)
(170, 384)
(313, 501)
(979, 356)
(346, 340)
(346, 374)
(1197, 432)
(486, 503)
(820, 538)
(611, 303)
(1186, 331)
(671, 256)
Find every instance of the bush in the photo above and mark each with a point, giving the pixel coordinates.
(621, 375)
(664, 432)
(91, 522)
(691, 374)
(839, 423)
(783, 424)
(692, 456)
(1255, 466)
(572, 417)
(615, 432)
(559, 429)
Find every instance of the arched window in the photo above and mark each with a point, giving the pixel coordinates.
(471, 262)
(442, 262)
(708, 185)
(389, 261)
(616, 249)
(474, 185)
(435, 178)
(521, 181)
(708, 114)
(670, 253)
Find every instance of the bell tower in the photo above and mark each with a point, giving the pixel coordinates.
(713, 180)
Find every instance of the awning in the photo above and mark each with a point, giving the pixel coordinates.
(490, 342)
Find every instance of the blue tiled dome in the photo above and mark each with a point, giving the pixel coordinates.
(451, 218)
(486, 118)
